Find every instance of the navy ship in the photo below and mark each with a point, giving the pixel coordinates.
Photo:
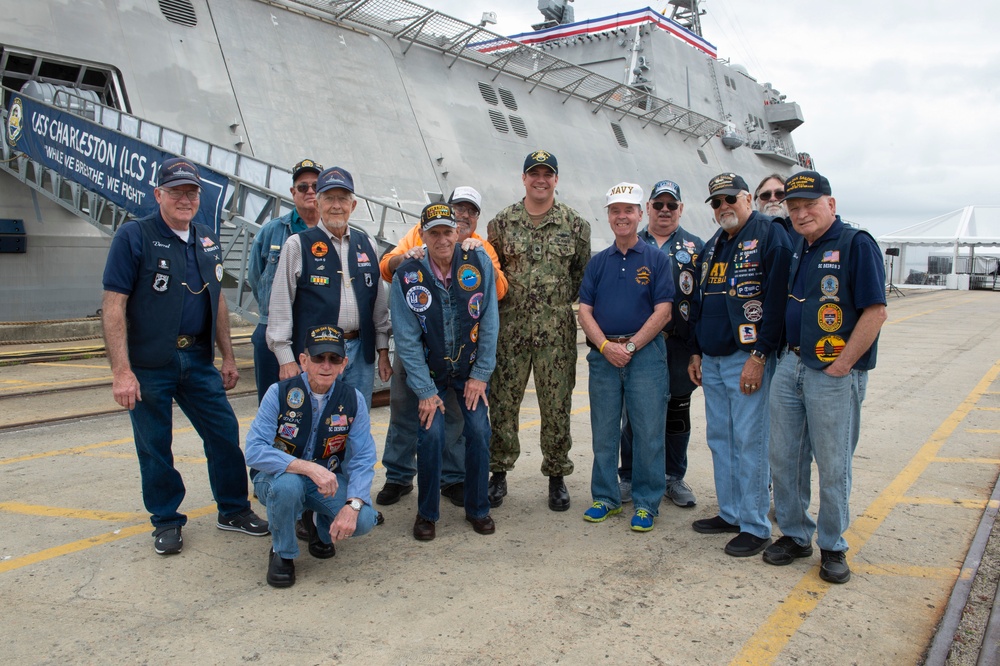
(410, 100)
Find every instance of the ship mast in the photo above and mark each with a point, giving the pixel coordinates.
(688, 14)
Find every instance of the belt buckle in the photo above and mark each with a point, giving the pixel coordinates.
(184, 341)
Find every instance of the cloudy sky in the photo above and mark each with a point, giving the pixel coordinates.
(901, 100)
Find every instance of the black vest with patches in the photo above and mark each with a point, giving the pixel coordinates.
(295, 422)
(424, 300)
(828, 312)
(154, 307)
(743, 278)
(317, 292)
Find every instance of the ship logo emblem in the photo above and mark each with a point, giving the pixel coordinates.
(15, 121)
(468, 277)
(419, 299)
(540, 156)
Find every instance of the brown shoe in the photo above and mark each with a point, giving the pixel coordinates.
(423, 529)
(484, 525)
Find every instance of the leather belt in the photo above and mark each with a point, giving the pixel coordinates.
(185, 341)
(794, 350)
(351, 335)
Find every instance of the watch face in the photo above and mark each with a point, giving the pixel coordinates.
(630, 347)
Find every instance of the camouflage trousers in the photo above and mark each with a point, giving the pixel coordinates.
(555, 377)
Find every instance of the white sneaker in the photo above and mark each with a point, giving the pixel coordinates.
(625, 489)
(680, 492)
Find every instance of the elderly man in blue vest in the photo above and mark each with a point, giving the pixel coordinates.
(836, 308)
(744, 272)
(329, 275)
(312, 444)
(163, 310)
(446, 323)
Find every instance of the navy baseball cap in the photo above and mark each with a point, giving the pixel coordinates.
(726, 183)
(543, 158)
(322, 339)
(306, 165)
(436, 215)
(335, 177)
(666, 187)
(807, 185)
(178, 171)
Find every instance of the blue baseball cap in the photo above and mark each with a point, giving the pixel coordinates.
(666, 187)
(335, 177)
(178, 171)
(807, 185)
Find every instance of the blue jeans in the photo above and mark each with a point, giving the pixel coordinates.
(642, 386)
(265, 363)
(737, 431)
(191, 380)
(430, 445)
(400, 455)
(359, 374)
(814, 416)
(287, 495)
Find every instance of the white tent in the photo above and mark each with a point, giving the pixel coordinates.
(971, 227)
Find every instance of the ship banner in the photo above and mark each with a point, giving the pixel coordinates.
(118, 167)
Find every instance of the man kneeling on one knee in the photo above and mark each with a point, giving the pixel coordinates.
(312, 444)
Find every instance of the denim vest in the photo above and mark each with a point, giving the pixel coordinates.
(295, 422)
(423, 300)
(317, 295)
(154, 307)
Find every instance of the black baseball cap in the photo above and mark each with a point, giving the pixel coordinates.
(178, 171)
(807, 185)
(322, 339)
(306, 165)
(543, 158)
(726, 183)
(437, 214)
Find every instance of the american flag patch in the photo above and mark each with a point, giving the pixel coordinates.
(338, 420)
(363, 257)
(831, 256)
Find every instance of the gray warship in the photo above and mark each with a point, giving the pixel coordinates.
(412, 101)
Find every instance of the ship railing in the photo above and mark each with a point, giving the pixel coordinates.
(410, 22)
(254, 194)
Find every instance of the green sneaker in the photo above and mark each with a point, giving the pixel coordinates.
(642, 521)
(598, 511)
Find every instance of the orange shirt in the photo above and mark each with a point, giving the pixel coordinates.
(412, 239)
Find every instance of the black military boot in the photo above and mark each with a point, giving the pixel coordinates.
(497, 489)
(558, 494)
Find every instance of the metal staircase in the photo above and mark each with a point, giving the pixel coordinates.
(253, 194)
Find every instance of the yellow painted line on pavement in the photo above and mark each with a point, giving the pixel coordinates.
(61, 512)
(944, 501)
(82, 380)
(989, 409)
(983, 431)
(977, 461)
(89, 542)
(908, 571)
(195, 460)
(101, 366)
(773, 635)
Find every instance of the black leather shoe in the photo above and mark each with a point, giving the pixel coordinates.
(303, 525)
(280, 572)
(391, 492)
(745, 544)
(833, 566)
(714, 525)
(456, 493)
(497, 489)
(317, 548)
(785, 551)
(423, 529)
(558, 494)
(483, 525)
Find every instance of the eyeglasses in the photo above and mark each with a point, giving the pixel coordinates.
(730, 199)
(302, 188)
(671, 205)
(467, 210)
(177, 195)
(330, 357)
(766, 196)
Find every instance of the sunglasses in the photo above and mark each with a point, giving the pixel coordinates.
(730, 199)
(330, 357)
(305, 187)
(777, 194)
(671, 205)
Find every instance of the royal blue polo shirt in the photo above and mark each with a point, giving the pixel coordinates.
(624, 288)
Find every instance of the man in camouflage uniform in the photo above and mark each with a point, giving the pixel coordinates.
(543, 247)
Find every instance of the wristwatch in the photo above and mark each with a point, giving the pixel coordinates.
(354, 504)
(756, 353)
(630, 347)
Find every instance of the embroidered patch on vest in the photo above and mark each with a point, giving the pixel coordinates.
(685, 309)
(476, 305)
(830, 317)
(333, 445)
(468, 277)
(320, 280)
(295, 397)
(419, 299)
(319, 249)
(753, 311)
(686, 281)
(829, 285)
(161, 282)
(413, 277)
(829, 347)
(748, 333)
(474, 333)
(218, 272)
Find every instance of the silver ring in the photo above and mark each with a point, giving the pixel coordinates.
(746, 386)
